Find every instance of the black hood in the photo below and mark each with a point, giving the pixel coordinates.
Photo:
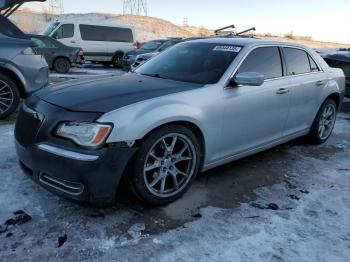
(138, 52)
(342, 56)
(107, 94)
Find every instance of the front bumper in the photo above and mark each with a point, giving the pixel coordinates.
(87, 176)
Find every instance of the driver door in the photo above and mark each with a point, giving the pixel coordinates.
(256, 116)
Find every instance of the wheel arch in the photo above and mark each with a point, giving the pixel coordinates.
(191, 126)
(15, 78)
(60, 56)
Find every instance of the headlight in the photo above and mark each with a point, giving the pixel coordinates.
(29, 51)
(84, 134)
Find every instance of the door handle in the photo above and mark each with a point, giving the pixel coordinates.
(282, 91)
(319, 83)
(73, 42)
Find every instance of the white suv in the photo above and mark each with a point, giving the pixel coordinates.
(103, 43)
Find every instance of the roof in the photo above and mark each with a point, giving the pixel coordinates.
(244, 41)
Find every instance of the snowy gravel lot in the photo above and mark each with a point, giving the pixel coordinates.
(291, 203)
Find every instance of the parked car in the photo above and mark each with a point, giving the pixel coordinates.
(148, 47)
(22, 70)
(340, 59)
(198, 105)
(102, 43)
(58, 56)
(140, 59)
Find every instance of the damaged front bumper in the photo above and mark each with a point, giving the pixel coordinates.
(87, 176)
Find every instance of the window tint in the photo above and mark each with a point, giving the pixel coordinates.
(313, 65)
(105, 33)
(65, 31)
(297, 61)
(263, 60)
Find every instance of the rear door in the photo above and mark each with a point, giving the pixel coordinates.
(256, 115)
(306, 80)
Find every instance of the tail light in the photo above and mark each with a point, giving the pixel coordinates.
(137, 45)
(80, 52)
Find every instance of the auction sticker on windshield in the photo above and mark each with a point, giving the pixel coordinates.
(227, 48)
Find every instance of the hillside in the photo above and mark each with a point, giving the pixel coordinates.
(146, 27)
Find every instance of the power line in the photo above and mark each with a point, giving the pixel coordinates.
(135, 7)
(56, 7)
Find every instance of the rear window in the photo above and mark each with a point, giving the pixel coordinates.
(264, 60)
(105, 33)
(297, 61)
(9, 29)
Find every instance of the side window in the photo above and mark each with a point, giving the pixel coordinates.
(65, 31)
(263, 60)
(297, 61)
(313, 65)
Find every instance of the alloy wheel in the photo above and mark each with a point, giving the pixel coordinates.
(169, 165)
(327, 121)
(6, 97)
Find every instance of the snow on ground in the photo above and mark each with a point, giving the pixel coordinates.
(311, 224)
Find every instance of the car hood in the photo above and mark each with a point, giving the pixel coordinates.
(343, 56)
(107, 94)
(138, 52)
(148, 55)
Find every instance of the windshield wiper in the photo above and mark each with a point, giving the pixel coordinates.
(155, 75)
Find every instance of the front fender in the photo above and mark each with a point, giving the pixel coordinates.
(135, 121)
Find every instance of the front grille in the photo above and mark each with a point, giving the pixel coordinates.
(27, 125)
(62, 185)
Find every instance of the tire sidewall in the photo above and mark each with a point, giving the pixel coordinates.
(315, 136)
(62, 60)
(16, 96)
(137, 178)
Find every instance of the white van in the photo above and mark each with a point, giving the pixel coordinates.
(103, 43)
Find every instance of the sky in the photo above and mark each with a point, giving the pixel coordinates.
(325, 20)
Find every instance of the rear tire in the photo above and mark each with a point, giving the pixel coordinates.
(324, 123)
(165, 165)
(9, 96)
(62, 65)
(117, 60)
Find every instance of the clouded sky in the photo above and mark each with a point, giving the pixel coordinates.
(326, 20)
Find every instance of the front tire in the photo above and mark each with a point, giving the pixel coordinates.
(166, 165)
(324, 123)
(62, 65)
(9, 96)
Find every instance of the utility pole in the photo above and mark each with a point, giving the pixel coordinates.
(135, 7)
(56, 7)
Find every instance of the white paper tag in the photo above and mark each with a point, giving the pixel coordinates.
(227, 48)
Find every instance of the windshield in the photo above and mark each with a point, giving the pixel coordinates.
(152, 45)
(49, 29)
(202, 63)
(166, 45)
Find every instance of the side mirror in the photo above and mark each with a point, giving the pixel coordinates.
(248, 79)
